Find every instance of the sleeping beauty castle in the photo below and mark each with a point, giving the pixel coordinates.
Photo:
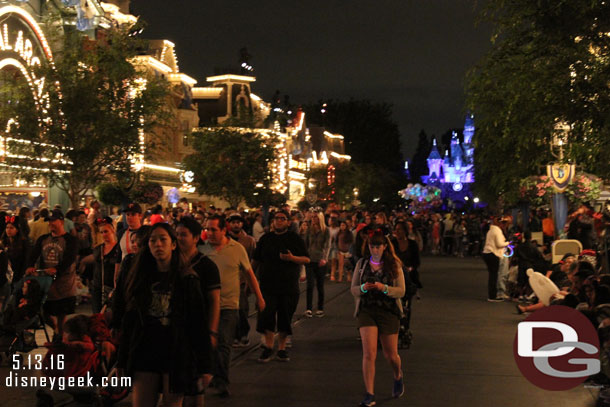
(453, 171)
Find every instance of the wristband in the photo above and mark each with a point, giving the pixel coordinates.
(386, 290)
(214, 334)
(363, 290)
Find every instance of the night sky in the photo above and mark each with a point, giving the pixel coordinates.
(411, 53)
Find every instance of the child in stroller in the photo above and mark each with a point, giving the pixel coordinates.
(23, 306)
(88, 349)
(405, 336)
(77, 348)
(21, 312)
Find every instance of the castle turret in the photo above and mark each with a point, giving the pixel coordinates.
(434, 162)
(468, 134)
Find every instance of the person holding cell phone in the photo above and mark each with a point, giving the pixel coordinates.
(378, 284)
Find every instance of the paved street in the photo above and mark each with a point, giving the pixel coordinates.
(461, 354)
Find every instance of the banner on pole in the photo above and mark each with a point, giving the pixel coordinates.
(561, 175)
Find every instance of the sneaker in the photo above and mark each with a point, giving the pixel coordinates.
(282, 356)
(244, 342)
(236, 343)
(266, 355)
(308, 313)
(319, 313)
(495, 300)
(369, 400)
(398, 389)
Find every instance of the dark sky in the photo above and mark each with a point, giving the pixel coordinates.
(411, 53)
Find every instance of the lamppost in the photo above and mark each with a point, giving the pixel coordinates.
(561, 173)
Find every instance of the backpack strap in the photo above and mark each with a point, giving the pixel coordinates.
(359, 269)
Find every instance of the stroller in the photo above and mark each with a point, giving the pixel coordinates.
(88, 357)
(405, 336)
(17, 337)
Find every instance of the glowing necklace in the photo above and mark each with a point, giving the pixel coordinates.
(375, 263)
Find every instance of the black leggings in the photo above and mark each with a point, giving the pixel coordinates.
(315, 276)
(493, 265)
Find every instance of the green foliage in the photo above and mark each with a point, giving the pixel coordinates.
(371, 134)
(230, 162)
(373, 141)
(266, 197)
(419, 163)
(538, 190)
(549, 62)
(144, 192)
(375, 185)
(110, 194)
(87, 126)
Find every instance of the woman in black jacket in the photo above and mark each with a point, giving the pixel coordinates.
(165, 343)
(17, 246)
(407, 251)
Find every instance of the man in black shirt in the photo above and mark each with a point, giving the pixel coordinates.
(55, 254)
(188, 232)
(280, 253)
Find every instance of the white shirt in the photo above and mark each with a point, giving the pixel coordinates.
(257, 231)
(495, 241)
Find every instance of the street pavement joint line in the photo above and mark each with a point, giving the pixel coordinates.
(244, 355)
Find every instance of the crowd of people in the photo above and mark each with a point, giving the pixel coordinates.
(175, 283)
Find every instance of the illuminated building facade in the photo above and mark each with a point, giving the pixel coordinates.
(23, 46)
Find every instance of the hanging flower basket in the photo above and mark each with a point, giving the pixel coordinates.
(148, 193)
(538, 190)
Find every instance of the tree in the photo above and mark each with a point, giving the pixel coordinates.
(371, 134)
(549, 63)
(371, 138)
(419, 165)
(341, 191)
(231, 163)
(84, 125)
(375, 185)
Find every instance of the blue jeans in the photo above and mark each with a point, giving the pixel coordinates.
(226, 334)
(502, 276)
(243, 326)
(315, 278)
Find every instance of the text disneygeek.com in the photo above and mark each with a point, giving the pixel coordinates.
(61, 383)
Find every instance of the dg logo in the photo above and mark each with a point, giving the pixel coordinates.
(557, 348)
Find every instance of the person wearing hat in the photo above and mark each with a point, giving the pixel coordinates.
(133, 217)
(40, 226)
(16, 245)
(55, 255)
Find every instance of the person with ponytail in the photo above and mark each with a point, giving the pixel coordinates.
(378, 284)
